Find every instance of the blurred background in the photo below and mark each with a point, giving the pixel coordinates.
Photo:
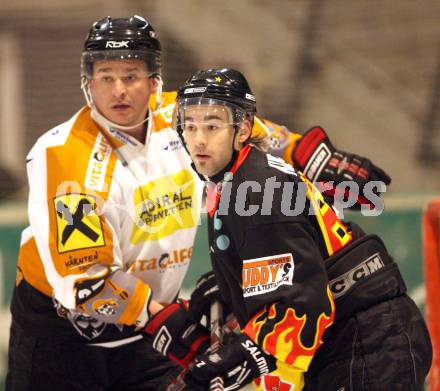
(368, 71)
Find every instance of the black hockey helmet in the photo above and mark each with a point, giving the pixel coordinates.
(225, 84)
(113, 39)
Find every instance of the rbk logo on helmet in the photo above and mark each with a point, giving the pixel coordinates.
(117, 44)
(195, 90)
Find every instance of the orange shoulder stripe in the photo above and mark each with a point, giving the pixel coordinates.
(79, 235)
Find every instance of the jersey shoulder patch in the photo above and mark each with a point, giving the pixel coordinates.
(267, 274)
(280, 165)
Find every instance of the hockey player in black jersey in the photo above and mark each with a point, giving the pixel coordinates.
(320, 304)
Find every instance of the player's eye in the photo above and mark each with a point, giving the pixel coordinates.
(131, 78)
(212, 127)
(106, 79)
(190, 127)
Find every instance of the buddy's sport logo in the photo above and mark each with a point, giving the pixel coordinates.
(262, 275)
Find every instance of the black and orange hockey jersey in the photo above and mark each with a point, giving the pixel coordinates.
(268, 241)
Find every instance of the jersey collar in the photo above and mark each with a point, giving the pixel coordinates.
(214, 188)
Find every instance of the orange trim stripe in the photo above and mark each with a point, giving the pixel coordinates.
(32, 268)
(137, 302)
(327, 219)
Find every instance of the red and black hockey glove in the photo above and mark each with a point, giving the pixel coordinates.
(176, 336)
(237, 363)
(320, 161)
(204, 294)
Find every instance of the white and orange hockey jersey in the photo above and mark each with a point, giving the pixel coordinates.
(112, 220)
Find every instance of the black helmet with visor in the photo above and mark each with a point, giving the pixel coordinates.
(223, 87)
(121, 39)
(220, 87)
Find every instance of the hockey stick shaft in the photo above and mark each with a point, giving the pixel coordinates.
(216, 326)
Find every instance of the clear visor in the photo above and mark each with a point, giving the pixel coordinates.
(207, 113)
(152, 59)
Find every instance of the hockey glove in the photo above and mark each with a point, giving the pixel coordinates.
(204, 294)
(318, 159)
(176, 336)
(237, 364)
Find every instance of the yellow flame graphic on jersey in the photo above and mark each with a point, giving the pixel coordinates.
(285, 341)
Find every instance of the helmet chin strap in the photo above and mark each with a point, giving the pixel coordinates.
(158, 92)
(105, 122)
(98, 117)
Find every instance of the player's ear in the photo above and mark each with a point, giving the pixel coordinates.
(154, 83)
(244, 132)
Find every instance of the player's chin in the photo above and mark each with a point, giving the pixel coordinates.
(123, 117)
(202, 168)
(119, 120)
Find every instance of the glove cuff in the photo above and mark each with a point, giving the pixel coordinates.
(174, 309)
(307, 146)
(176, 336)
